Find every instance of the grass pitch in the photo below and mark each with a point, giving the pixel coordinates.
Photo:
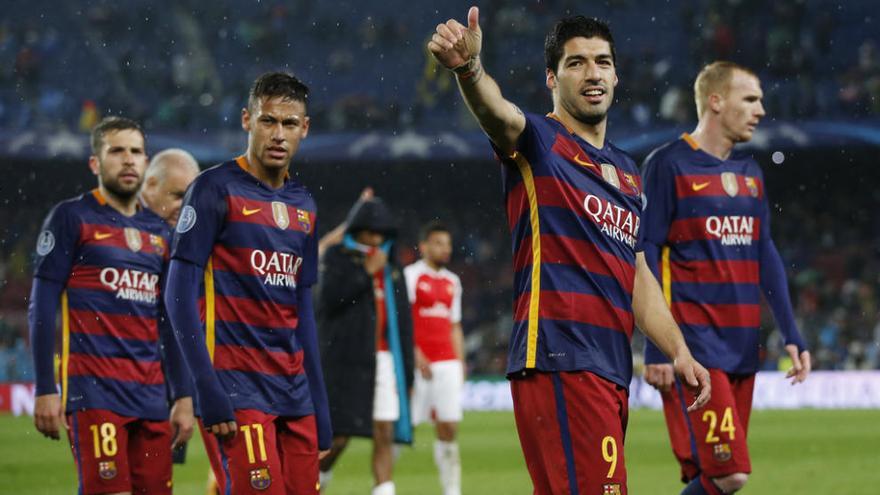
(793, 452)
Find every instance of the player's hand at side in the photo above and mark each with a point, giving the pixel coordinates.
(422, 364)
(323, 453)
(224, 431)
(49, 415)
(695, 377)
(375, 261)
(182, 421)
(453, 44)
(660, 376)
(800, 364)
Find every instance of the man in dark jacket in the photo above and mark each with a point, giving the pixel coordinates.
(365, 334)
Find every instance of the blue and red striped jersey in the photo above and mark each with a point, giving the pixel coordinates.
(257, 245)
(573, 213)
(709, 218)
(110, 266)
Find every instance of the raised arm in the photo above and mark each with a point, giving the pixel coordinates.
(653, 317)
(457, 48)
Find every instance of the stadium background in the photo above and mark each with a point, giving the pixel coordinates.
(383, 116)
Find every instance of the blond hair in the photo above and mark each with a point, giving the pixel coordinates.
(715, 79)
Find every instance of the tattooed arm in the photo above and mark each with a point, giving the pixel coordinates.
(457, 48)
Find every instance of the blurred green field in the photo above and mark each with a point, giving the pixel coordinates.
(793, 452)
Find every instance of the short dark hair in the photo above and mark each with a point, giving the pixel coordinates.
(431, 227)
(574, 27)
(278, 84)
(112, 124)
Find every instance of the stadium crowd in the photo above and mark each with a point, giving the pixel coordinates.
(184, 71)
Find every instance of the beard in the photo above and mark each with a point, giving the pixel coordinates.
(592, 118)
(114, 187)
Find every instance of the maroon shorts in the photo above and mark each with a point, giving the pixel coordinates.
(711, 440)
(116, 453)
(268, 455)
(212, 448)
(571, 427)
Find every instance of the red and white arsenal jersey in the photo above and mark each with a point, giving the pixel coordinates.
(435, 297)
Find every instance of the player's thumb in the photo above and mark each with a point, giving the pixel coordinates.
(175, 437)
(690, 378)
(474, 18)
(795, 359)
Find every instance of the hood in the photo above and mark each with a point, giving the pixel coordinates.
(371, 214)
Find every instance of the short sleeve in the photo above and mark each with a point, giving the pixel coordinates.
(410, 273)
(57, 244)
(456, 302)
(658, 200)
(200, 221)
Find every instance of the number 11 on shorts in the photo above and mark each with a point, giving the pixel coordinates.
(249, 443)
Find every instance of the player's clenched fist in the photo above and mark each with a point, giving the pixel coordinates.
(454, 45)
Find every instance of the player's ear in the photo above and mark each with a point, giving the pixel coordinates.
(306, 122)
(246, 119)
(551, 80)
(94, 165)
(716, 102)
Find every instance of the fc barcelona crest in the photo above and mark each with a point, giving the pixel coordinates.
(260, 479)
(752, 185)
(302, 218)
(721, 452)
(611, 489)
(609, 173)
(279, 213)
(728, 181)
(631, 181)
(133, 239)
(107, 470)
(158, 244)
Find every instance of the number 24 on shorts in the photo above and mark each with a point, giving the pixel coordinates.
(727, 425)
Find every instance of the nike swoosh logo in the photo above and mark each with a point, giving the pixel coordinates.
(577, 159)
(247, 213)
(100, 236)
(699, 187)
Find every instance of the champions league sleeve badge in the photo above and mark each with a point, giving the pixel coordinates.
(187, 219)
(45, 243)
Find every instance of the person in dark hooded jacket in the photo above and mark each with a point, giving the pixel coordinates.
(366, 340)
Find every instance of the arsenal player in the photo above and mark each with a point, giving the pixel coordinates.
(435, 295)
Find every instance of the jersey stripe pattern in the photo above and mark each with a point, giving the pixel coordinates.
(257, 245)
(708, 216)
(435, 297)
(573, 212)
(111, 267)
